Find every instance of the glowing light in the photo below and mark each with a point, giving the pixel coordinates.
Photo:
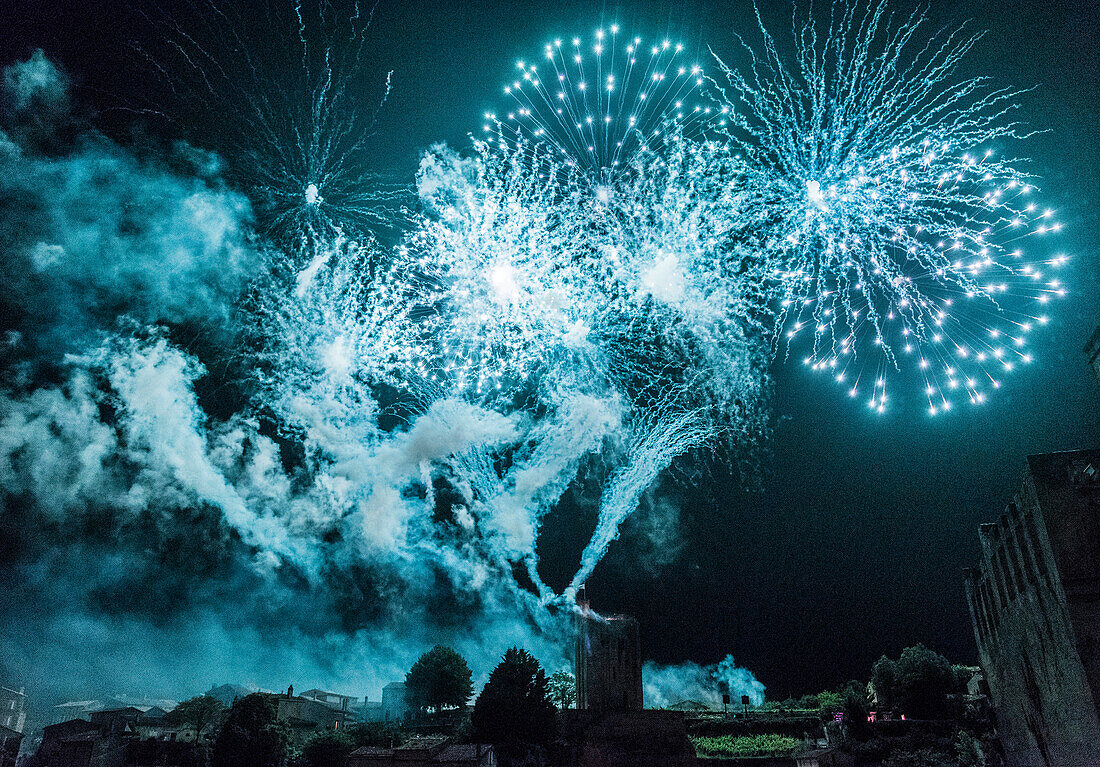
(313, 195)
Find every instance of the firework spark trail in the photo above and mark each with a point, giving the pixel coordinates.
(600, 104)
(890, 221)
(539, 288)
(285, 113)
(658, 444)
(545, 253)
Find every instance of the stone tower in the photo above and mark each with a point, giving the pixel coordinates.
(607, 661)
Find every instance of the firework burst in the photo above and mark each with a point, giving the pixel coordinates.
(282, 101)
(596, 101)
(876, 190)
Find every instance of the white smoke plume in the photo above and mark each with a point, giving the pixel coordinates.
(665, 686)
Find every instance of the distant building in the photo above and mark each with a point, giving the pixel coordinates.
(1035, 608)
(56, 748)
(13, 709)
(1092, 351)
(607, 661)
(394, 705)
(304, 716)
(114, 739)
(369, 711)
(332, 699)
(117, 721)
(83, 709)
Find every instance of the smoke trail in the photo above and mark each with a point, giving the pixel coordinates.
(652, 453)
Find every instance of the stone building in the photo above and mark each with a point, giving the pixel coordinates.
(1035, 609)
(305, 716)
(13, 709)
(607, 662)
(394, 704)
(10, 741)
(609, 727)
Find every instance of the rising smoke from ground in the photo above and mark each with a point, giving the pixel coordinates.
(691, 683)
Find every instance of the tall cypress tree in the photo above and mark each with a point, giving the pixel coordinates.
(515, 707)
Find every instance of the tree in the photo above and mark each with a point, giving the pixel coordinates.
(962, 676)
(379, 734)
(439, 678)
(250, 735)
(198, 713)
(854, 706)
(969, 750)
(925, 679)
(884, 681)
(515, 707)
(809, 702)
(828, 702)
(562, 688)
(327, 748)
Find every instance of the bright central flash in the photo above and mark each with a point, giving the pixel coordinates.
(313, 195)
(502, 277)
(814, 194)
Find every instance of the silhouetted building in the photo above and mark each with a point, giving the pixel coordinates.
(394, 705)
(117, 721)
(332, 699)
(55, 749)
(83, 709)
(607, 661)
(304, 716)
(1035, 608)
(1092, 351)
(112, 740)
(13, 709)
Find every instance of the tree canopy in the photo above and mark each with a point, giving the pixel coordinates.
(439, 679)
(515, 706)
(329, 748)
(562, 687)
(925, 679)
(918, 682)
(200, 713)
(251, 735)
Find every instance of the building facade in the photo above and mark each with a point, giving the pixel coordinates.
(1035, 609)
(13, 709)
(607, 662)
(394, 704)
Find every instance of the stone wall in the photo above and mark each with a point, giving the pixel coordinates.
(1035, 610)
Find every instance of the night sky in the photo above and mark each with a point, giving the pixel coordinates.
(856, 545)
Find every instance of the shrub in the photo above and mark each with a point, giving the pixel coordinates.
(745, 745)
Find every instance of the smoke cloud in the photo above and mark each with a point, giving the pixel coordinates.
(158, 534)
(665, 686)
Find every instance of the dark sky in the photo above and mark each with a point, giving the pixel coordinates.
(855, 548)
